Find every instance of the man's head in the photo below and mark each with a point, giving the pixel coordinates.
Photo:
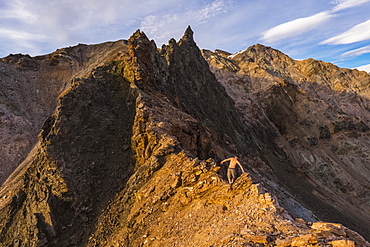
(236, 157)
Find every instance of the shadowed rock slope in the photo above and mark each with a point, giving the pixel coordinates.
(130, 158)
(30, 87)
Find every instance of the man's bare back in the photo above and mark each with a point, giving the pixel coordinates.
(233, 162)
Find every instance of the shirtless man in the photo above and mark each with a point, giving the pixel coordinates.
(231, 169)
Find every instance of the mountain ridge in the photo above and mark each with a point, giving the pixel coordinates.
(135, 144)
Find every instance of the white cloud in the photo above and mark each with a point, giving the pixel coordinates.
(357, 52)
(348, 4)
(302, 25)
(15, 41)
(160, 27)
(211, 10)
(17, 10)
(364, 68)
(295, 27)
(20, 35)
(358, 33)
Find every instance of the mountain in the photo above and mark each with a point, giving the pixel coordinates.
(321, 116)
(131, 137)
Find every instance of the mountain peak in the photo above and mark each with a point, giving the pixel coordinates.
(138, 35)
(188, 37)
(258, 50)
(188, 33)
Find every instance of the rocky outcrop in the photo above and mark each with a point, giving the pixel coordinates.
(130, 157)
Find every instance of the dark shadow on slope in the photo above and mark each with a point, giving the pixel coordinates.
(193, 88)
(90, 141)
(325, 203)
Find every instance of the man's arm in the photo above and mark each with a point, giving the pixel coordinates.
(225, 160)
(240, 166)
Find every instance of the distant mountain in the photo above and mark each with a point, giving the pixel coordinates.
(119, 144)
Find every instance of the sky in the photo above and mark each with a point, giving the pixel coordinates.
(336, 31)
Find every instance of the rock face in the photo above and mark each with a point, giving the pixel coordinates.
(130, 155)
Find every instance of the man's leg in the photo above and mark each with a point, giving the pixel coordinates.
(229, 178)
(231, 175)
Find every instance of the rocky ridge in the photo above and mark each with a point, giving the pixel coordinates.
(319, 114)
(130, 158)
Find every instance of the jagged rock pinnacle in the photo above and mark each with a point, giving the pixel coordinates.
(188, 33)
(138, 35)
(188, 37)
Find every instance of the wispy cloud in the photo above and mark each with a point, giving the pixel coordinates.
(19, 41)
(17, 10)
(302, 25)
(296, 27)
(357, 52)
(348, 4)
(20, 35)
(358, 33)
(27, 24)
(67, 22)
(163, 27)
(210, 10)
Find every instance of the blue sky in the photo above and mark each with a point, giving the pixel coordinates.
(336, 31)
